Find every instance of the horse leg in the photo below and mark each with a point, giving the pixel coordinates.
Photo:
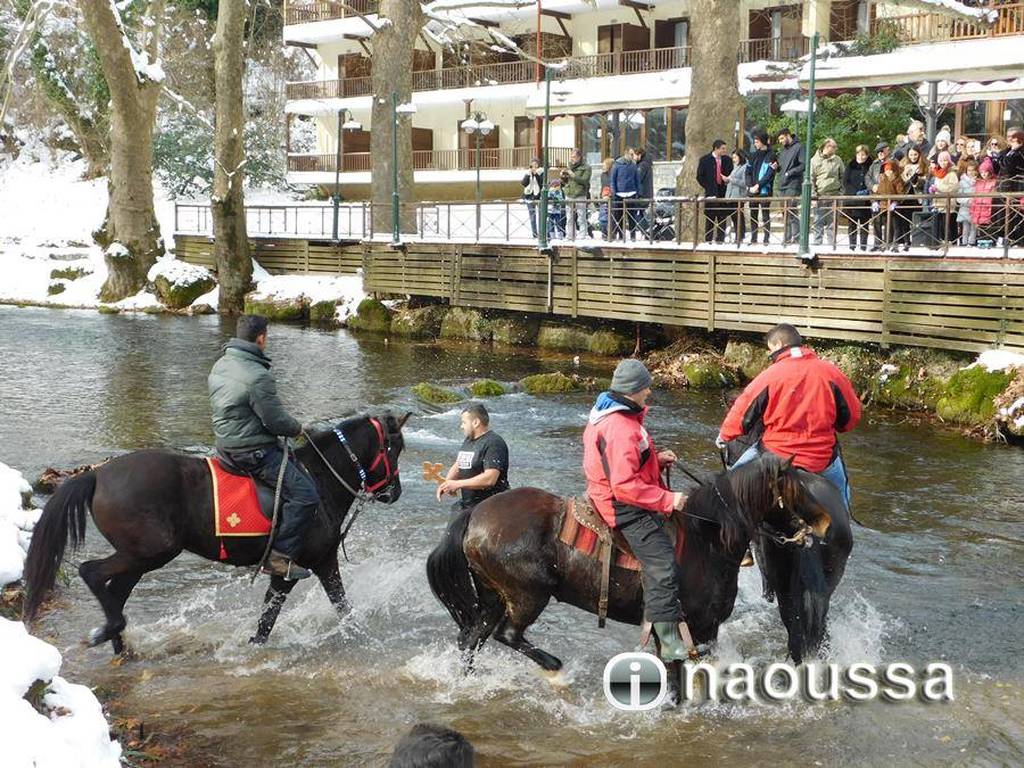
(520, 617)
(472, 637)
(330, 579)
(276, 594)
(111, 581)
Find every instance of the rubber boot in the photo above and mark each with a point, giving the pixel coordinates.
(672, 648)
(283, 566)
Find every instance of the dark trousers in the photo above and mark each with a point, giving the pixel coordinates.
(716, 215)
(760, 215)
(299, 498)
(624, 215)
(858, 223)
(646, 534)
(531, 211)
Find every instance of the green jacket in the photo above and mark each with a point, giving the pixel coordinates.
(247, 413)
(827, 174)
(578, 186)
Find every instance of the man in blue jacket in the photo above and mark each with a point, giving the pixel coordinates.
(625, 185)
(760, 181)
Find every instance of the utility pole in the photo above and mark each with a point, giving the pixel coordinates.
(542, 211)
(805, 191)
(395, 234)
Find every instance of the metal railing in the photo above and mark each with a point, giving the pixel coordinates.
(505, 158)
(930, 27)
(921, 224)
(774, 49)
(325, 10)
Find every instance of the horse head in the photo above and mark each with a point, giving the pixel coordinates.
(802, 538)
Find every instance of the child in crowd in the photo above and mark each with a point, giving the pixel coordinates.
(556, 210)
(981, 207)
(967, 183)
(897, 224)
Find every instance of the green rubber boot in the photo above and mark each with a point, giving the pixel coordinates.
(672, 648)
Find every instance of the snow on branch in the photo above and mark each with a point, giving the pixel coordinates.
(147, 67)
(184, 103)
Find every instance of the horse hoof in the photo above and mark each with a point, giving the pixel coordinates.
(555, 677)
(258, 640)
(97, 636)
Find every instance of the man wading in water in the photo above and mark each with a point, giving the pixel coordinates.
(624, 484)
(248, 419)
(481, 468)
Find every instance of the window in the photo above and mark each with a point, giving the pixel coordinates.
(976, 119)
(1013, 114)
(678, 148)
(524, 132)
(591, 137)
(656, 142)
(631, 126)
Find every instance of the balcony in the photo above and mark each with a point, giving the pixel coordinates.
(502, 158)
(325, 10)
(774, 49)
(927, 27)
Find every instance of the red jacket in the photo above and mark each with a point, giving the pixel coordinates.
(800, 401)
(620, 461)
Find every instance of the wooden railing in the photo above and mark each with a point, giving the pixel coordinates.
(773, 49)
(505, 158)
(325, 10)
(928, 27)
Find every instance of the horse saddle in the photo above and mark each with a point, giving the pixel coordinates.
(241, 505)
(584, 530)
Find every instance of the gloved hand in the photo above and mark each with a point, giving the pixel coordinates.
(720, 442)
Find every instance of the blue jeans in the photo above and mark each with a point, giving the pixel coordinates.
(299, 498)
(835, 472)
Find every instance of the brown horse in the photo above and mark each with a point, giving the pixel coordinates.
(499, 565)
(151, 505)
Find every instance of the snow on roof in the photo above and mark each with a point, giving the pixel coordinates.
(960, 61)
(953, 93)
(956, 8)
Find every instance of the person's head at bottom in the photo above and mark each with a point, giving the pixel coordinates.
(632, 379)
(475, 421)
(783, 336)
(433, 746)
(252, 328)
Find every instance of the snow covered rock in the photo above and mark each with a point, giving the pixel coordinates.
(16, 524)
(178, 283)
(48, 722)
(304, 298)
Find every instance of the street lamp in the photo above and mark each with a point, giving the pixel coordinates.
(478, 126)
(805, 254)
(346, 122)
(396, 110)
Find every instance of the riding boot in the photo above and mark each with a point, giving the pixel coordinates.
(283, 566)
(672, 648)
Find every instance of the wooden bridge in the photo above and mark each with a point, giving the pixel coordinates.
(965, 304)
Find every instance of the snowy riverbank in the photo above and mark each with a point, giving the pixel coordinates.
(47, 721)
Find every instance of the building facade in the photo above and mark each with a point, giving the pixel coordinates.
(626, 83)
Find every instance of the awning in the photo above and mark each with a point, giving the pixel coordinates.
(981, 60)
(956, 93)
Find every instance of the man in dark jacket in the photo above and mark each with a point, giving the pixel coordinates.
(1011, 179)
(794, 408)
(533, 183)
(871, 180)
(712, 174)
(577, 192)
(625, 186)
(790, 175)
(760, 183)
(248, 419)
(645, 188)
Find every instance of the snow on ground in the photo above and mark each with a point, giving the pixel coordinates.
(68, 730)
(346, 290)
(999, 360)
(178, 273)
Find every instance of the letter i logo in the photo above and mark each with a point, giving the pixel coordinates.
(635, 682)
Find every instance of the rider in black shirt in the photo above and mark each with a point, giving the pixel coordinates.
(481, 469)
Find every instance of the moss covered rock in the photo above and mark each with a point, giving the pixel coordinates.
(431, 393)
(968, 398)
(746, 357)
(69, 273)
(418, 323)
(515, 330)
(53, 289)
(467, 324)
(1010, 410)
(610, 342)
(573, 337)
(106, 309)
(549, 383)
(179, 294)
(860, 364)
(201, 309)
(372, 316)
(278, 310)
(708, 372)
(486, 388)
(323, 312)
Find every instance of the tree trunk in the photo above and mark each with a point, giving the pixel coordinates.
(393, 45)
(714, 91)
(231, 243)
(130, 234)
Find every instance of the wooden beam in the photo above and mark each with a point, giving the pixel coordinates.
(297, 44)
(485, 23)
(638, 6)
(560, 15)
(565, 32)
(426, 41)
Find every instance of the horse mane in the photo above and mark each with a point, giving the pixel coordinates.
(714, 504)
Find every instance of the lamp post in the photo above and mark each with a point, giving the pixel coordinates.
(396, 110)
(542, 239)
(477, 125)
(805, 191)
(346, 122)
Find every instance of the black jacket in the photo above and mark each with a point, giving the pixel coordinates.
(706, 175)
(855, 182)
(1011, 170)
(757, 160)
(791, 169)
(645, 178)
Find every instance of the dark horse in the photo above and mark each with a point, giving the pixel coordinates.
(499, 565)
(151, 505)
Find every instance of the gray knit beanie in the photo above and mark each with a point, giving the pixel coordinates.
(631, 376)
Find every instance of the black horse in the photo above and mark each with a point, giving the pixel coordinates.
(151, 505)
(499, 565)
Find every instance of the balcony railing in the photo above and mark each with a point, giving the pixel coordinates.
(504, 158)
(774, 49)
(928, 27)
(325, 10)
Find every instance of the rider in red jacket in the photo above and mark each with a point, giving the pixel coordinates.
(623, 472)
(794, 408)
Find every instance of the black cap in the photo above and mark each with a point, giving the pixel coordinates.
(880, 146)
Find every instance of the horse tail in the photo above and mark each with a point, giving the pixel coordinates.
(449, 575)
(63, 518)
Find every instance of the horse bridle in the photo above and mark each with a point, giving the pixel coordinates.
(366, 490)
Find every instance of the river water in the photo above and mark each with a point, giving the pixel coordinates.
(936, 574)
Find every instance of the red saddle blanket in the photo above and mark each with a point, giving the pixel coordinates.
(584, 529)
(236, 505)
